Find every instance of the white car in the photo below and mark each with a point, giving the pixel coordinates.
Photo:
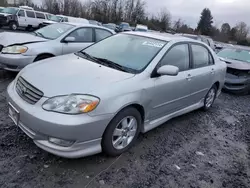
(22, 17)
(61, 18)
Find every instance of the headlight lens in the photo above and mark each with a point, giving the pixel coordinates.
(14, 50)
(71, 104)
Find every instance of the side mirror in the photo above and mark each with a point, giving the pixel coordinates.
(69, 39)
(168, 70)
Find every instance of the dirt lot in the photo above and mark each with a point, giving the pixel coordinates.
(200, 149)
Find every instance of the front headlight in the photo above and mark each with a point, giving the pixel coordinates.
(14, 50)
(71, 104)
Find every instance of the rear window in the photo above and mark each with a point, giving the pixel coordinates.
(30, 14)
(40, 15)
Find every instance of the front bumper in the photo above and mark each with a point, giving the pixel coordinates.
(15, 62)
(237, 85)
(39, 125)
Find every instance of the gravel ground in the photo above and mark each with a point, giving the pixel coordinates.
(200, 149)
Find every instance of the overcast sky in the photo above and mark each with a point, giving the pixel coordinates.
(231, 11)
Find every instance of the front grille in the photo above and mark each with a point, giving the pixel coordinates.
(3, 19)
(28, 92)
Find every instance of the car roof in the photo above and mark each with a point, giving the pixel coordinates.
(87, 24)
(161, 36)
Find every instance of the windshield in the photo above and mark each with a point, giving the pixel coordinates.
(53, 31)
(1, 9)
(55, 18)
(110, 26)
(130, 51)
(236, 54)
(9, 10)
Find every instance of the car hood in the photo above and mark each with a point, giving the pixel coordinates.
(11, 38)
(69, 74)
(5, 14)
(235, 64)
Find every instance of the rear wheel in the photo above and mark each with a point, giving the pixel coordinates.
(210, 97)
(13, 26)
(122, 132)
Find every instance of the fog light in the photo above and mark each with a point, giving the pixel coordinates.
(60, 142)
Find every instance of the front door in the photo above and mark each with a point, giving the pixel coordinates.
(171, 93)
(83, 37)
(21, 17)
(202, 72)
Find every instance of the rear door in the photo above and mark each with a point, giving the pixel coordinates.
(21, 17)
(31, 18)
(83, 37)
(202, 72)
(40, 17)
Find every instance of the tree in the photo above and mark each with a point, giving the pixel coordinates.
(225, 28)
(205, 24)
(3, 3)
(164, 18)
(242, 31)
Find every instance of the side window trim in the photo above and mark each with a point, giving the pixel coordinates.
(62, 41)
(176, 44)
(192, 58)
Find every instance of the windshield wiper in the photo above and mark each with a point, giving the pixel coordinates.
(115, 65)
(87, 56)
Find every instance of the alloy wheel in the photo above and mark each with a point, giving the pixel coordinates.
(210, 98)
(124, 132)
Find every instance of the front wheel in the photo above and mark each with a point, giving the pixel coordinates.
(13, 26)
(122, 132)
(210, 97)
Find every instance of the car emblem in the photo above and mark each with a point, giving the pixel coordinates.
(23, 90)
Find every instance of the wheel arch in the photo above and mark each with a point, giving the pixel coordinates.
(44, 54)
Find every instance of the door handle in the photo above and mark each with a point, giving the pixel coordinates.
(189, 77)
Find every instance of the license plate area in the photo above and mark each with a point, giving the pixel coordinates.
(13, 114)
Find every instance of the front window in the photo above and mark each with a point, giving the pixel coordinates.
(1, 9)
(53, 31)
(235, 54)
(10, 10)
(130, 51)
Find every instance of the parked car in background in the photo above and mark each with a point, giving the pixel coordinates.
(22, 17)
(61, 18)
(142, 28)
(123, 27)
(238, 69)
(206, 39)
(102, 97)
(20, 49)
(111, 26)
(94, 22)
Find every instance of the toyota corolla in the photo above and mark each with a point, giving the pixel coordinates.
(101, 98)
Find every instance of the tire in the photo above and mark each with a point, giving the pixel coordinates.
(210, 97)
(115, 145)
(42, 57)
(13, 26)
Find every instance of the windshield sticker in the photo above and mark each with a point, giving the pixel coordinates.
(153, 44)
(60, 30)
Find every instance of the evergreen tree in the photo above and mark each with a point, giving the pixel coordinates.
(205, 23)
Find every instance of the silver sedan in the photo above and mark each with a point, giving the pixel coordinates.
(20, 49)
(108, 93)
